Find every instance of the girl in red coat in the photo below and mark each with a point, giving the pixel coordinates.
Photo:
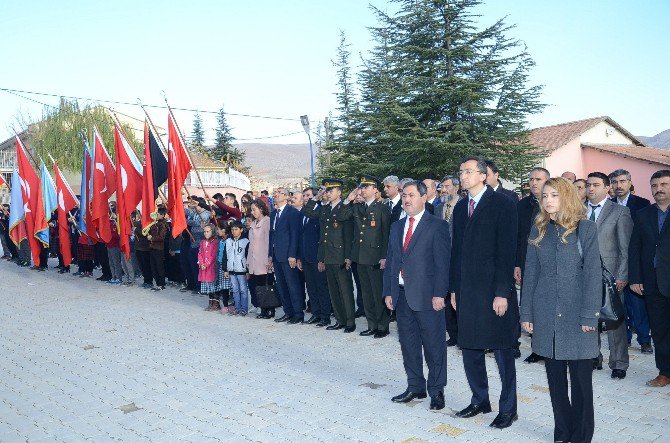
(207, 269)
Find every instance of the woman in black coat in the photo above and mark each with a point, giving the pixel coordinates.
(561, 305)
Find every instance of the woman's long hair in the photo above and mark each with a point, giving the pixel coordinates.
(568, 216)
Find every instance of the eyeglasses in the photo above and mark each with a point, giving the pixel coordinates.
(468, 172)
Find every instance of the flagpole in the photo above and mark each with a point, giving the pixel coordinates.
(27, 151)
(161, 143)
(188, 153)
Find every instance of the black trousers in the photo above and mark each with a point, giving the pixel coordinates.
(573, 417)
(371, 287)
(417, 331)
(44, 257)
(157, 263)
(658, 308)
(317, 288)
(102, 259)
(143, 258)
(359, 291)
(474, 362)
(451, 320)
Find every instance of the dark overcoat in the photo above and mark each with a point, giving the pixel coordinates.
(482, 268)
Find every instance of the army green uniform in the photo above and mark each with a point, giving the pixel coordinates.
(334, 247)
(372, 225)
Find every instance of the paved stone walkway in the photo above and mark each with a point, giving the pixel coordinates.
(81, 360)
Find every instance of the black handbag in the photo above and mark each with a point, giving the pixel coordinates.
(266, 295)
(612, 309)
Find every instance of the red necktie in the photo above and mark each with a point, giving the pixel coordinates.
(472, 208)
(408, 236)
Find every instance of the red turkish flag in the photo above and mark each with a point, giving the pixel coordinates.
(104, 186)
(31, 190)
(179, 165)
(128, 185)
(67, 201)
(3, 182)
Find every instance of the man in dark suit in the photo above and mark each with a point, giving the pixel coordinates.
(482, 265)
(416, 282)
(334, 250)
(527, 209)
(283, 252)
(368, 250)
(315, 279)
(636, 310)
(649, 269)
(493, 180)
(432, 199)
(392, 191)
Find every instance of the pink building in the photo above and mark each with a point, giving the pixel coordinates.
(598, 144)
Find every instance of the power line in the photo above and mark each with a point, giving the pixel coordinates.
(116, 102)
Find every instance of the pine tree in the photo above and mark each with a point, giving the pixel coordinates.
(223, 144)
(436, 88)
(198, 134)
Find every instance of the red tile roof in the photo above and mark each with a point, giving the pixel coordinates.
(550, 138)
(654, 155)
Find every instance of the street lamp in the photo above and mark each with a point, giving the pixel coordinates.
(305, 125)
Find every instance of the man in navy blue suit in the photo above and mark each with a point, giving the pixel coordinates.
(283, 253)
(482, 277)
(308, 261)
(636, 310)
(416, 283)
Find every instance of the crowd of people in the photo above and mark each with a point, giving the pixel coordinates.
(462, 255)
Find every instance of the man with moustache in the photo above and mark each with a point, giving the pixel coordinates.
(334, 250)
(371, 236)
(482, 266)
(416, 282)
(649, 269)
(614, 225)
(315, 279)
(392, 192)
(527, 210)
(636, 310)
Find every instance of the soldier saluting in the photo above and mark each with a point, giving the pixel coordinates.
(335, 250)
(372, 224)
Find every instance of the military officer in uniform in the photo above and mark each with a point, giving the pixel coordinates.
(372, 224)
(334, 250)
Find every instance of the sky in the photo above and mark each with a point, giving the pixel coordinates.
(274, 58)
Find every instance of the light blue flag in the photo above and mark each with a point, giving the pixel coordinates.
(18, 213)
(85, 189)
(49, 200)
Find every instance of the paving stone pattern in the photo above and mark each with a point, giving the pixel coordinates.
(86, 361)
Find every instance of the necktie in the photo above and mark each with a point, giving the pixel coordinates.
(408, 236)
(390, 203)
(593, 212)
(277, 217)
(471, 208)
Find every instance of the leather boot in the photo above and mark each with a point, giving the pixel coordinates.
(210, 306)
(216, 306)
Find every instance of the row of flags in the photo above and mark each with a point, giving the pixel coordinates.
(34, 199)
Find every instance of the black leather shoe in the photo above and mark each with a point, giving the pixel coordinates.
(437, 401)
(335, 327)
(368, 332)
(452, 342)
(473, 410)
(618, 373)
(381, 334)
(349, 329)
(322, 323)
(503, 421)
(283, 318)
(408, 396)
(598, 363)
(533, 358)
(312, 320)
(647, 348)
(294, 321)
(517, 353)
